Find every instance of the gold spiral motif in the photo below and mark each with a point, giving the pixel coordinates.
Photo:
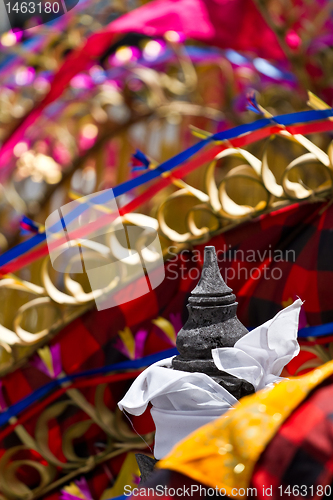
(254, 176)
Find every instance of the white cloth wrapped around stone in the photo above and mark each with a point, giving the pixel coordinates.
(183, 402)
(260, 356)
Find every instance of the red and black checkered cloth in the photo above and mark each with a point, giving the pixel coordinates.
(300, 455)
(88, 342)
(303, 235)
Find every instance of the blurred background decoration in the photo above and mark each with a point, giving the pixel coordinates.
(78, 98)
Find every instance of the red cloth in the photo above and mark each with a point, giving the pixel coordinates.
(299, 459)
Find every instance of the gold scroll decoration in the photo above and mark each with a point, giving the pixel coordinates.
(254, 177)
(119, 438)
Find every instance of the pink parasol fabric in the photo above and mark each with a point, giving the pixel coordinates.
(233, 24)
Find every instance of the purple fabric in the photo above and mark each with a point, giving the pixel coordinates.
(38, 363)
(140, 339)
(56, 359)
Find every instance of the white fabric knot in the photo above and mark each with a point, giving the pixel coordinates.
(260, 356)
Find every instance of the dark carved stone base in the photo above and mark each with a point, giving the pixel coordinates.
(236, 386)
(195, 365)
(146, 465)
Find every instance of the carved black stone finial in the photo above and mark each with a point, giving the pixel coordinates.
(211, 283)
(212, 323)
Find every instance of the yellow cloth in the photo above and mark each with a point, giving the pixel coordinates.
(223, 453)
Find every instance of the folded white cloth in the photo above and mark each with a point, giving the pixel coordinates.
(260, 356)
(183, 402)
